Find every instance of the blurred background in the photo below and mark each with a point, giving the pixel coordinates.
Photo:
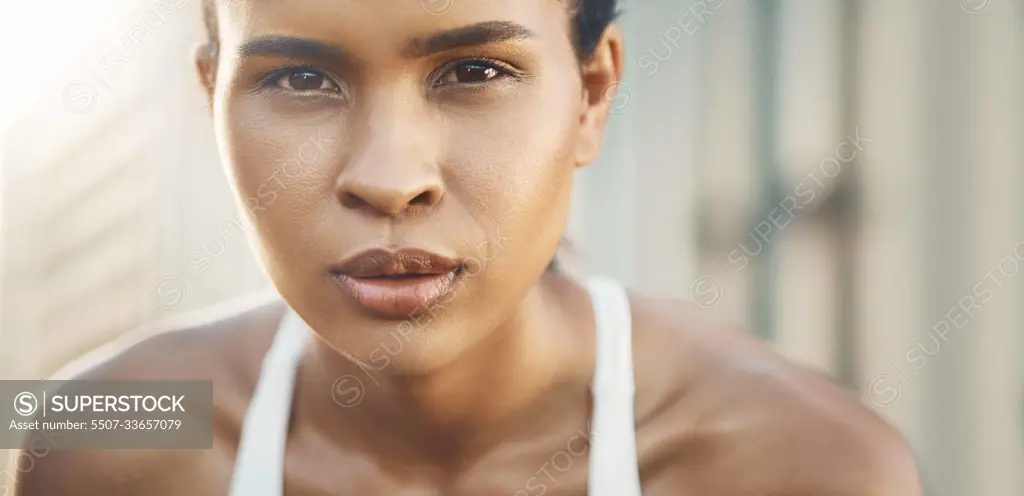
(843, 177)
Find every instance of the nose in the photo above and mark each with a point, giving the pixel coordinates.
(392, 170)
(391, 196)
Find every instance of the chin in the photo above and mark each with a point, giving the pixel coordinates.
(414, 346)
(418, 352)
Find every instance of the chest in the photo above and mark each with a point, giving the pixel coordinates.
(556, 465)
(553, 466)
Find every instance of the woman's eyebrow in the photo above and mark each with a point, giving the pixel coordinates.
(472, 35)
(306, 48)
(291, 46)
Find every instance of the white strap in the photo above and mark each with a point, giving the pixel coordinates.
(259, 464)
(614, 469)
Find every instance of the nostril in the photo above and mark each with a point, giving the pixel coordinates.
(389, 201)
(349, 200)
(424, 198)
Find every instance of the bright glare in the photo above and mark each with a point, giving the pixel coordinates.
(43, 40)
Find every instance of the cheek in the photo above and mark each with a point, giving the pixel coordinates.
(514, 161)
(280, 168)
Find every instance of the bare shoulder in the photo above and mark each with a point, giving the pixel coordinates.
(724, 413)
(193, 346)
(225, 345)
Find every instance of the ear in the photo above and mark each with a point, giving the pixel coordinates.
(206, 69)
(602, 77)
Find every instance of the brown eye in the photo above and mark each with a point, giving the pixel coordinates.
(475, 73)
(471, 73)
(307, 80)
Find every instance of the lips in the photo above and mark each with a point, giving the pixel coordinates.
(397, 284)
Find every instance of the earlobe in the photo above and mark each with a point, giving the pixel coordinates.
(602, 75)
(206, 71)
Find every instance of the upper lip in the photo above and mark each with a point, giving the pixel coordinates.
(404, 261)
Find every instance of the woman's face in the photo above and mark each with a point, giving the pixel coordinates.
(448, 126)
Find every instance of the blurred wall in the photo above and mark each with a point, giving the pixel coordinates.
(116, 210)
(843, 177)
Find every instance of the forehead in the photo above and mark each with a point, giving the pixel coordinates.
(383, 24)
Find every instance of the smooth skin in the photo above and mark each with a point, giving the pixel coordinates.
(352, 124)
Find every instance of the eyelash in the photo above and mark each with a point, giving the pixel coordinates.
(503, 69)
(272, 79)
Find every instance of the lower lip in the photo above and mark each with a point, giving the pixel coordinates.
(398, 297)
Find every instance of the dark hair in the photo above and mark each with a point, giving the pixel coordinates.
(590, 18)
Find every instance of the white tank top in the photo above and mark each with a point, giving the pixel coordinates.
(259, 465)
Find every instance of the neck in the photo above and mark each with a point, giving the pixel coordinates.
(525, 373)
